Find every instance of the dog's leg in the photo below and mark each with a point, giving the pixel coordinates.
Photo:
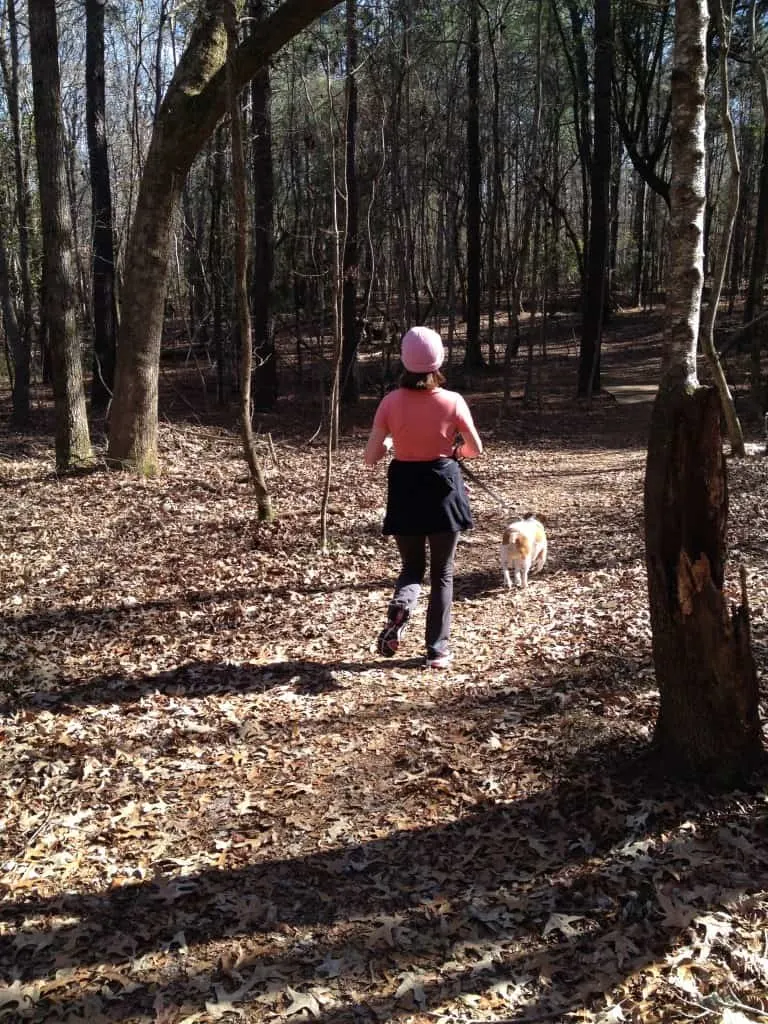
(524, 573)
(543, 554)
(504, 560)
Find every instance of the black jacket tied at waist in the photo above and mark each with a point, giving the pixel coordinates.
(426, 497)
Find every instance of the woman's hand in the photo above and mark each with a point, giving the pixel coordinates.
(377, 446)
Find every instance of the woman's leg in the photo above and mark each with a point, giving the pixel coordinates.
(442, 548)
(413, 552)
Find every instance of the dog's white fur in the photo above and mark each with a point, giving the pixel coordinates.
(523, 550)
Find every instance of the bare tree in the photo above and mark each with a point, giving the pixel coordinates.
(265, 375)
(754, 300)
(599, 181)
(719, 260)
(473, 356)
(73, 446)
(103, 258)
(22, 348)
(332, 440)
(193, 105)
(708, 725)
(242, 226)
(350, 385)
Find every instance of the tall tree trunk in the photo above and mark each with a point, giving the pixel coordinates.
(22, 352)
(10, 320)
(638, 228)
(103, 262)
(530, 172)
(193, 105)
(265, 381)
(73, 446)
(707, 727)
(615, 216)
(242, 229)
(600, 184)
(579, 71)
(332, 441)
(754, 301)
(473, 357)
(494, 214)
(350, 385)
(215, 270)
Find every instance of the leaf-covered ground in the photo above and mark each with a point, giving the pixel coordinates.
(217, 803)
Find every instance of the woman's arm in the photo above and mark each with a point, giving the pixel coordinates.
(375, 449)
(471, 446)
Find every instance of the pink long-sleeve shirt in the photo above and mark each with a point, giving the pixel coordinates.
(423, 424)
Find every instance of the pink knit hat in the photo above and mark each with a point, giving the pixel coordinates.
(421, 350)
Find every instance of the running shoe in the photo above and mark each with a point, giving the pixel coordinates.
(389, 638)
(439, 661)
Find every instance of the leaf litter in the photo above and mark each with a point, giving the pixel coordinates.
(218, 804)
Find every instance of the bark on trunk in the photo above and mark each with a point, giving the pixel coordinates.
(193, 105)
(20, 415)
(600, 182)
(103, 262)
(350, 384)
(707, 727)
(720, 257)
(473, 357)
(73, 446)
(265, 381)
(12, 335)
(242, 226)
(223, 382)
(754, 301)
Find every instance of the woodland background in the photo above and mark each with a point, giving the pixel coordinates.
(418, 161)
(218, 803)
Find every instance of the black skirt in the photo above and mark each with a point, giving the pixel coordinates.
(426, 497)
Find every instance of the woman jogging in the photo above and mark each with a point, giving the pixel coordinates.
(427, 503)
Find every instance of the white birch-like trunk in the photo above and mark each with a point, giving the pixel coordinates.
(708, 727)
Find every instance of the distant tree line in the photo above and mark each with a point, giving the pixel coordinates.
(490, 159)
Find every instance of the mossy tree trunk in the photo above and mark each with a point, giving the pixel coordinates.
(707, 727)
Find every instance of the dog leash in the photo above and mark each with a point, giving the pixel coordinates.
(471, 475)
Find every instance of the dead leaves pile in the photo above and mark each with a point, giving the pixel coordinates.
(218, 804)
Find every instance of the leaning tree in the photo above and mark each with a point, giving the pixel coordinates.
(192, 107)
(708, 726)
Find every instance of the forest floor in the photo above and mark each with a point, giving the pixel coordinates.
(217, 803)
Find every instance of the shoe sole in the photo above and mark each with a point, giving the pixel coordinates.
(389, 639)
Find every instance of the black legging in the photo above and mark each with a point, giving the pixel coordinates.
(413, 552)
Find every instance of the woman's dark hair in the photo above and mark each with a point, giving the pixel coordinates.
(421, 381)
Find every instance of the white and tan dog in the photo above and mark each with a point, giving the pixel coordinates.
(523, 550)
